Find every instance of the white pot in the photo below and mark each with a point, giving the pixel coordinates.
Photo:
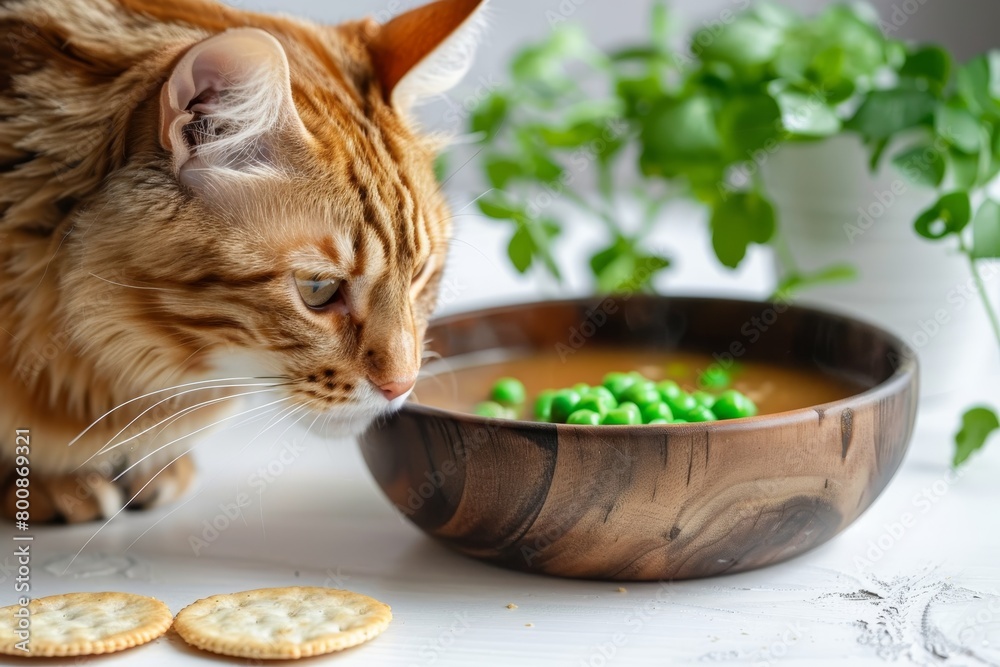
(833, 210)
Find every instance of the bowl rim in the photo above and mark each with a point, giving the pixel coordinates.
(905, 373)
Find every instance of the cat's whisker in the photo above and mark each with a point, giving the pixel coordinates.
(275, 420)
(160, 391)
(478, 250)
(168, 420)
(199, 491)
(188, 435)
(182, 412)
(305, 412)
(284, 413)
(154, 289)
(260, 497)
(150, 481)
(465, 164)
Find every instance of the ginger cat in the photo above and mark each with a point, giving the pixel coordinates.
(186, 188)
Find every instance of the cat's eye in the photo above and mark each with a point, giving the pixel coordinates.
(317, 292)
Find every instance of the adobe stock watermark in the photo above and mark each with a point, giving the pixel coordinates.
(563, 12)
(893, 533)
(432, 648)
(780, 647)
(884, 200)
(212, 528)
(899, 15)
(580, 162)
(604, 483)
(458, 112)
(639, 616)
(957, 298)
(417, 496)
(752, 330)
(595, 317)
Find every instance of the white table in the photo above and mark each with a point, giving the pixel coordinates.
(877, 593)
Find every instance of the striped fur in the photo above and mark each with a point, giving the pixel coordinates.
(124, 270)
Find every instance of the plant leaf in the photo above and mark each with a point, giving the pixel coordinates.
(499, 210)
(979, 83)
(544, 168)
(921, 164)
(744, 43)
(959, 127)
(807, 115)
(742, 219)
(680, 135)
(964, 169)
(796, 282)
(949, 215)
(521, 249)
(986, 231)
(749, 123)
(489, 116)
(502, 170)
(977, 425)
(661, 24)
(441, 168)
(931, 63)
(885, 113)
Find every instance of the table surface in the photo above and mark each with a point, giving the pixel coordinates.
(923, 593)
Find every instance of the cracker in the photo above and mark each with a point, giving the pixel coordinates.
(282, 623)
(78, 624)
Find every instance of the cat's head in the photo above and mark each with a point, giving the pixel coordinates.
(287, 211)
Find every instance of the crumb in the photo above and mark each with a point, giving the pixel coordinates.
(621, 589)
(529, 625)
(512, 606)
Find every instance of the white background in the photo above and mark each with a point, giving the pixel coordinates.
(933, 588)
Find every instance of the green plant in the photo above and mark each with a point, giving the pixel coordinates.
(574, 124)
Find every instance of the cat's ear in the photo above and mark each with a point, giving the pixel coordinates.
(223, 104)
(427, 50)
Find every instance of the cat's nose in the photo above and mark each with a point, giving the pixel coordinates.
(396, 388)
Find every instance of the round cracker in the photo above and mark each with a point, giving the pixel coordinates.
(282, 623)
(78, 624)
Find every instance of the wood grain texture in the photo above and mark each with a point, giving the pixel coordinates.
(653, 502)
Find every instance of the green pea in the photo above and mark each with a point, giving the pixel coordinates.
(682, 404)
(680, 421)
(704, 398)
(584, 418)
(508, 391)
(621, 417)
(581, 388)
(641, 393)
(543, 405)
(492, 410)
(658, 421)
(655, 412)
(701, 414)
(604, 393)
(617, 383)
(714, 378)
(563, 405)
(732, 404)
(597, 403)
(669, 390)
(633, 409)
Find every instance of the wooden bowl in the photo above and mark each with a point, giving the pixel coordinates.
(653, 502)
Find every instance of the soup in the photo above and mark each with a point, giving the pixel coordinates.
(459, 383)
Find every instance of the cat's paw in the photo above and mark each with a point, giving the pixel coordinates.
(88, 496)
